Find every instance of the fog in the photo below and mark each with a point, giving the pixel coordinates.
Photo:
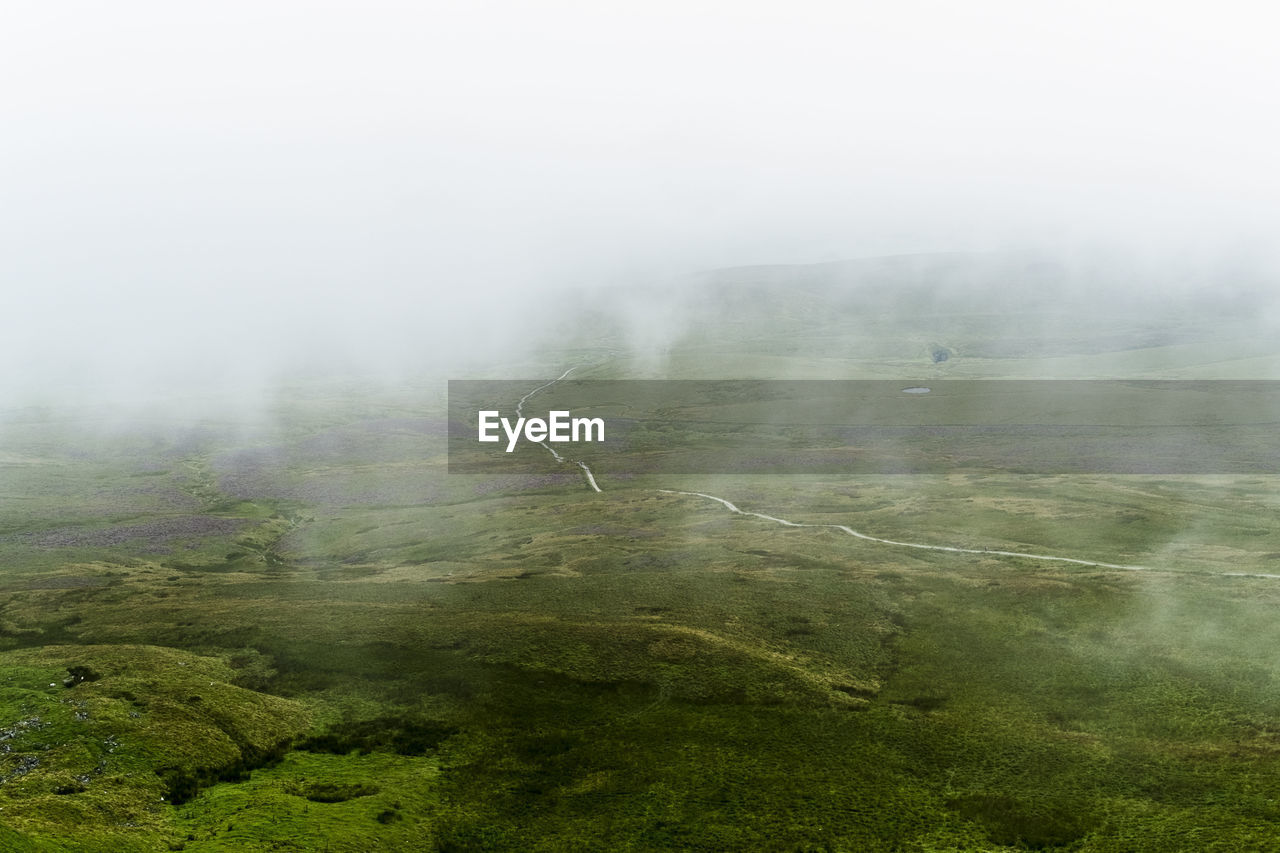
(211, 196)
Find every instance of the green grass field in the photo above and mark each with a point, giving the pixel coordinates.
(304, 634)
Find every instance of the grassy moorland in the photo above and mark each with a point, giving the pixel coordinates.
(303, 634)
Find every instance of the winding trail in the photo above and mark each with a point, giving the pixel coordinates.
(955, 550)
(591, 479)
(923, 546)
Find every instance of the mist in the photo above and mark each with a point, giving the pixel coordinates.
(258, 590)
(214, 198)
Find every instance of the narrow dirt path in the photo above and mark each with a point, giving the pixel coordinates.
(591, 479)
(924, 546)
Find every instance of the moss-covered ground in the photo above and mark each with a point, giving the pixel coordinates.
(303, 634)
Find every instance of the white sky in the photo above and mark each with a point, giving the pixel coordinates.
(320, 175)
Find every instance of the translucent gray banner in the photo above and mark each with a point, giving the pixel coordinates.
(623, 427)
